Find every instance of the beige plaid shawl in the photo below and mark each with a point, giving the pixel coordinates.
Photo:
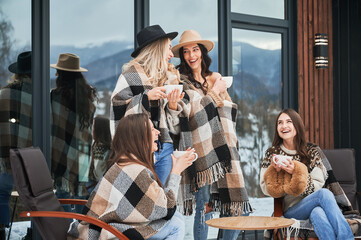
(214, 138)
(129, 199)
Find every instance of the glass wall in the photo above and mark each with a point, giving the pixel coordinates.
(257, 90)
(179, 16)
(15, 95)
(264, 8)
(100, 33)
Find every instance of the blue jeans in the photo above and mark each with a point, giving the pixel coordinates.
(326, 217)
(173, 230)
(200, 228)
(6, 186)
(164, 163)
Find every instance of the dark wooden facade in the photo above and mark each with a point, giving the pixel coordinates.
(315, 99)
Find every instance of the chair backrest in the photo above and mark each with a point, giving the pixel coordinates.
(33, 182)
(343, 166)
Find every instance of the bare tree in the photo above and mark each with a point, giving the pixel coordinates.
(5, 48)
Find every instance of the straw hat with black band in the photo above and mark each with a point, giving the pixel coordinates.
(149, 35)
(190, 37)
(68, 62)
(23, 65)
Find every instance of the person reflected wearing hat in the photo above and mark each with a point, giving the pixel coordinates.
(140, 89)
(214, 139)
(15, 125)
(72, 111)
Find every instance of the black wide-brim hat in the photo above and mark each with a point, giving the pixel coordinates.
(149, 35)
(23, 65)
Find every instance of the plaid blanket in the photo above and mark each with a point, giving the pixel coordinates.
(212, 127)
(70, 148)
(130, 97)
(331, 184)
(15, 119)
(129, 199)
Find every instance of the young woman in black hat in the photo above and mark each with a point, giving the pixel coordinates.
(15, 125)
(140, 89)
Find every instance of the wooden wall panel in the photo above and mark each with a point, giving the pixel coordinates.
(315, 85)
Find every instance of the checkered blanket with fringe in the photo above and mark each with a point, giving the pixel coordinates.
(214, 139)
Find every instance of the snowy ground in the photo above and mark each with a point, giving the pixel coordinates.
(262, 206)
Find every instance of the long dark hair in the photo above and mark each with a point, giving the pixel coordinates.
(77, 95)
(101, 131)
(300, 138)
(186, 70)
(132, 142)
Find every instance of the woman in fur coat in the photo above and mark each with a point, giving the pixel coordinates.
(294, 169)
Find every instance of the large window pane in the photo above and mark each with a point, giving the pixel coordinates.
(15, 96)
(200, 16)
(256, 67)
(264, 8)
(101, 34)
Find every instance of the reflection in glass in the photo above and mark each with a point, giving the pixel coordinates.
(103, 41)
(263, 8)
(200, 15)
(257, 83)
(72, 111)
(15, 94)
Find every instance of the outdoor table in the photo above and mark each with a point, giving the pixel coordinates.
(250, 223)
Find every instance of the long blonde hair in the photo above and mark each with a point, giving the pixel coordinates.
(153, 59)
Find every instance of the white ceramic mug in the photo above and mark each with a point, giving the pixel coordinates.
(280, 159)
(229, 80)
(169, 88)
(181, 153)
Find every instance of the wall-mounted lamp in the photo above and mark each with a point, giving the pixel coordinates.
(320, 50)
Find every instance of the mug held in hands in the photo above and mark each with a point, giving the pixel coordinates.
(280, 159)
(170, 88)
(229, 81)
(178, 154)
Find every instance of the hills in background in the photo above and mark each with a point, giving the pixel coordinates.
(257, 72)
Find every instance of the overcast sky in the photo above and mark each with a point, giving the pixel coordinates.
(84, 22)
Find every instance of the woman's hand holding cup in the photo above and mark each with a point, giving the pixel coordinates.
(174, 97)
(219, 86)
(156, 93)
(183, 159)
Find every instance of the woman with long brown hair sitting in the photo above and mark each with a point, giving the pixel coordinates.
(130, 196)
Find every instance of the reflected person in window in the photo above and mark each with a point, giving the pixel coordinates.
(130, 196)
(72, 110)
(100, 151)
(215, 179)
(300, 179)
(140, 89)
(16, 127)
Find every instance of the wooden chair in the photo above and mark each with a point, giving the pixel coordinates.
(34, 184)
(343, 165)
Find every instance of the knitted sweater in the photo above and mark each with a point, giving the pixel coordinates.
(316, 177)
(129, 198)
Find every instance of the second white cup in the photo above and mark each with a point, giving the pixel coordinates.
(181, 153)
(229, 80)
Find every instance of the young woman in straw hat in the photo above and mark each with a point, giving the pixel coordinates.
(140, 89)
(72, 110)
(16, 127)
(215, 179)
